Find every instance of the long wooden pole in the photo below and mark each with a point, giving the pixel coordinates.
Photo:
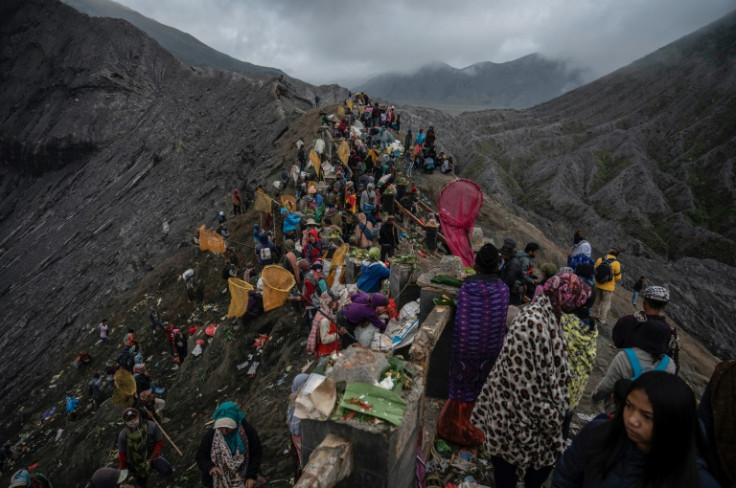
(164, 432)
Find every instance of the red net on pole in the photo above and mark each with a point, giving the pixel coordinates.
(458, 206)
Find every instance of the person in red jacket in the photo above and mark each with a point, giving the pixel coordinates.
(140, 444)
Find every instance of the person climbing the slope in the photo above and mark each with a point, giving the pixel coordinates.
(237, 202)
(580, 252)
(627, 330)
(607, 273)
(638, 288)
(477, 339)
(648, 354)
(153, 319)
(312, 289)
(140, 446)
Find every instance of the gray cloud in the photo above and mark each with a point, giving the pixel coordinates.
(326, 41)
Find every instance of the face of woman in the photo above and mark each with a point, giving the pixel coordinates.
(639, 419)
(226, 430)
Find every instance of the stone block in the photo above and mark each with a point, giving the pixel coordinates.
(356, 364)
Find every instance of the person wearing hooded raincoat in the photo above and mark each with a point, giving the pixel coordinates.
(229, 454)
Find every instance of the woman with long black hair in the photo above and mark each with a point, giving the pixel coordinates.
(650, 442)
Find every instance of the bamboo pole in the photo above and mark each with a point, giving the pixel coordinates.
(164, 432)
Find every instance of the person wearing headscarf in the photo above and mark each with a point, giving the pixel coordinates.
(139, 448)
(324, 337)
(363, 234)
(477, 338)
(229, 454)
(522, 405)
(315, 248)
(372, 272)
(266, 251)
(294, 424)
(362, 311)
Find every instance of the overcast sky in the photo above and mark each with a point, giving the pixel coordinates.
(328, 41)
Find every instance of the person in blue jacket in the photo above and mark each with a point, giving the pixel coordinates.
(372, 272)
(650, 442)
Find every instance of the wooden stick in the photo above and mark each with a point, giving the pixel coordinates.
(164, 432)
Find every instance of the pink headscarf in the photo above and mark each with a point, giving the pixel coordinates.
(566, 292)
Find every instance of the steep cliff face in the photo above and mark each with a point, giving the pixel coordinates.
(112, 151)
(642, 158)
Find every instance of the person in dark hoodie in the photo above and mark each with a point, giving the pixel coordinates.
(388, 238)
(480, 327)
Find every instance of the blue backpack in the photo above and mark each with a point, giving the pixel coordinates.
(637, 368)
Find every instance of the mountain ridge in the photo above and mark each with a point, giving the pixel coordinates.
(521, 83)
(184, 46)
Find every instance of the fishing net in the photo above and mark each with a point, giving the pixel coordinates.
(459, 203)
(209, 240)
(288, 201)
(238, 297)
(336, 265)
(277, 282)
(124, 387)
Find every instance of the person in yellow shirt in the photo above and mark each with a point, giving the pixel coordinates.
(607, 273)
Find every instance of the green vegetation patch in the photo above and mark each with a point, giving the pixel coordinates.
(608, 166)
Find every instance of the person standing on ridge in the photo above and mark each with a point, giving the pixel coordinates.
(607, 273)
(638, 287)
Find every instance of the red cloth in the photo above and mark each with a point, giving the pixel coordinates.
(455, 426)
(459, 203)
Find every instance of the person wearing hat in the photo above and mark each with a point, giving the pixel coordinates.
(140, 445)
(604, 289)
(110, 478)
(324, 338)
(628, 329)
(477, 338)
(372, 272)
(229, 454)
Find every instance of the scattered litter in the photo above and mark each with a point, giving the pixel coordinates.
(49, 413)
(253, 368)
(242, 366)
(197, 350)
(585, 417)
(58, 434)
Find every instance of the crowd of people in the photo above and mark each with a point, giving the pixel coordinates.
(523, 345)
(523, 348)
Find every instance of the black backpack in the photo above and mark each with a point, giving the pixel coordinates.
(604, 271)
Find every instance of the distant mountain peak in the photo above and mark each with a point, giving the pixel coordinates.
(520, 83)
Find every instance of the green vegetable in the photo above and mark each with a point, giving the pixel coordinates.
(447, 280)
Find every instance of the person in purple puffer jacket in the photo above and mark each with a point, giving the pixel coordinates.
(362, 311)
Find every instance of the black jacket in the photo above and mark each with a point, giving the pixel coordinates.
(255, 451)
